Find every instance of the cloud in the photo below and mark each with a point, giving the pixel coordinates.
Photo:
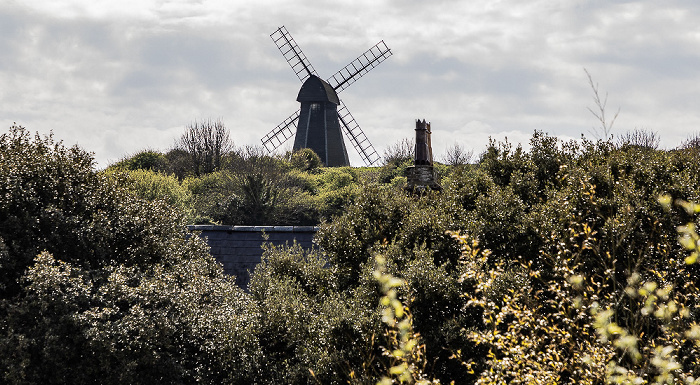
(120, 76)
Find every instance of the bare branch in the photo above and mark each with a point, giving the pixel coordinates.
(206, 142)
(399, 152)
(605, 127)
(640, 138)
(456, 155)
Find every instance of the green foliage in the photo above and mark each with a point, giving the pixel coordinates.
(143, 160)
(411, 236)
(567, 270)
(310, 332)
(394, 169)
(102, 286)
(373, 218)
(561, 210)
(406, 354)
(155, 186)
(305, 160)
(181, 323)
(258, 189)
(178, 163)
(596, 226)
(337, 187)
(256, 202)
(52, 200)
(239, 186)
(500, 161)
(209, 193)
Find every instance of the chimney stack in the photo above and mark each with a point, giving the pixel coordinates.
(422, 175)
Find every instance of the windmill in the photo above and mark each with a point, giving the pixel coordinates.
(323, 115)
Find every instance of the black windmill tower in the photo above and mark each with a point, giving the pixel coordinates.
(323, 115)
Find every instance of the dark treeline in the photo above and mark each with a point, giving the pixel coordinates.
(560, 264)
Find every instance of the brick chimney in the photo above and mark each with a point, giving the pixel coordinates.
(421, 175)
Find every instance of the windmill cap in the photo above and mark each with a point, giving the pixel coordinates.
(316, 90)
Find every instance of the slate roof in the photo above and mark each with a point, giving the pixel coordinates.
(239, 248)
(317, 90)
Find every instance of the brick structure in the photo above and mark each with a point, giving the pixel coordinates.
(421, 175)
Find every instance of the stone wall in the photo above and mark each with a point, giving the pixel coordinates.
(239, 248)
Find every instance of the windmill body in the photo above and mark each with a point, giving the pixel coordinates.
(323, 118)
(318, 127)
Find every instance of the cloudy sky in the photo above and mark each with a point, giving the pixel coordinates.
(120, 76)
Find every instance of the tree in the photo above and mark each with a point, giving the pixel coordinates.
(256, 201)
(52, 199)
(399, 152)
(177, 162)
(207, 143)
(456, 155)
(561, 221)
(152, 186)
(693, 141)
(584, 280)
(640, 139)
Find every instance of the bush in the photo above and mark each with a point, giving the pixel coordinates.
(143, 160)
(561, 210)
(583, 280)
(54, 201)
(399, 152)
(153, 186)
(310, 331)
(102, 286)
(305, 160)
(456, 155)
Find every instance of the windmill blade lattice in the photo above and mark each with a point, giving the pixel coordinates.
(338, 82)
(357, 137)
(280, 134)
(360, 66)
(292, 53)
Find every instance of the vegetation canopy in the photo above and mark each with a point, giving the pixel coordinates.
(572, 262)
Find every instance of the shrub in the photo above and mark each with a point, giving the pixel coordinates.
(456, 155)
(305, 160)
(102, 286)
(310, 331)
(154, 186)
(143, 160)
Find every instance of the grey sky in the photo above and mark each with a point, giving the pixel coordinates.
(120, 76)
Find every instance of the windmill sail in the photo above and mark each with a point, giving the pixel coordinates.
(329, 138)
(357, 137)
(292, 53)
(280, 134)
(360, 66)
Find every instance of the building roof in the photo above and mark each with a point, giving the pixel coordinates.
(316, 90)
